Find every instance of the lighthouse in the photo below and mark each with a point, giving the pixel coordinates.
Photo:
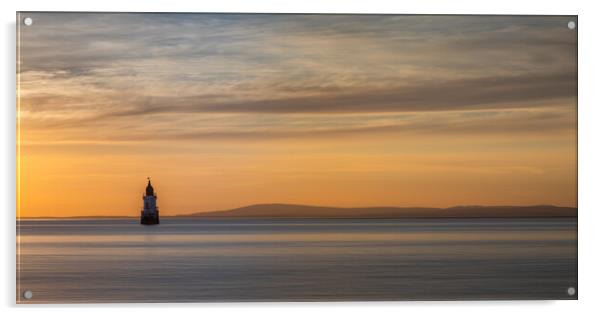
(150, 213)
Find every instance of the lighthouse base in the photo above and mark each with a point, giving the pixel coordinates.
(149, 219)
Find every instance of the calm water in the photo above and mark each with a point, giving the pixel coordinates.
(118, 260)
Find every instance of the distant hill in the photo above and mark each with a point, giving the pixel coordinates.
(305, 211)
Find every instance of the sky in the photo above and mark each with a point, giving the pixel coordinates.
(228, 110)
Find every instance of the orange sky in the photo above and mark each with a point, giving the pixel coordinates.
(223, 111)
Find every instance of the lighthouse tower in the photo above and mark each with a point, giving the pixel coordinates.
(150, 213)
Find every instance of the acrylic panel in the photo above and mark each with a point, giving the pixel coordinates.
(200, 157)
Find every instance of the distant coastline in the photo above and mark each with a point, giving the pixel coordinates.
(306, 211)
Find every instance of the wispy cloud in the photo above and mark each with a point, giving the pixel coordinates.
(478, 93)
(93, 69)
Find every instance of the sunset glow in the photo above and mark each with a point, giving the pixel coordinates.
(223, 111)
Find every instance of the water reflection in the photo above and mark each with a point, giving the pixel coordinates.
(191, 260)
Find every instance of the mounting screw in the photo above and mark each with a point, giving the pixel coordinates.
(571, 291)
(27, 294)
(571, 25)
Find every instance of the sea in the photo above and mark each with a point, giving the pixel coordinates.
(216, 260)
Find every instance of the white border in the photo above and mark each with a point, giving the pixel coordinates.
(590, 154)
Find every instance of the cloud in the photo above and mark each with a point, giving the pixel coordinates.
(98, 73)
(543, 123)
(477, 93)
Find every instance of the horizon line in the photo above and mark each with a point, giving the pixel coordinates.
(192, 213)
